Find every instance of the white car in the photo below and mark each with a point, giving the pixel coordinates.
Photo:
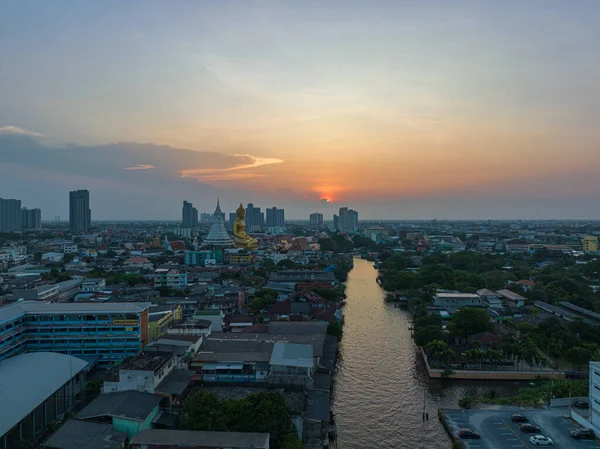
(541, 440)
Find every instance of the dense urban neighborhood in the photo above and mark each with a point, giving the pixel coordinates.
(196, 333)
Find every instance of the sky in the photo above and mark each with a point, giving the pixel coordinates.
(404, 109)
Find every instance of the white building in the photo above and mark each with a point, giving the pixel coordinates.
(456, 299)
(591, 420)
(93, 285)
(70, 248)
(53, 257)
(142, 373)
(138, 263)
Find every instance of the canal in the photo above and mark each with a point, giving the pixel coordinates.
(381, 388)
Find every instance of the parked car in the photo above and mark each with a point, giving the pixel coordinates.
(468, 434)
(518, 418)
(529, 428)
(541, 440)
(582, 404)
(583, 434)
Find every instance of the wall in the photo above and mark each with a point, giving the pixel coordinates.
(584, 422)
(493, 375)
(126, 425)
(564, 402)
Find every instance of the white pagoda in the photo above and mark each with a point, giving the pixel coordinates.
(218, 234)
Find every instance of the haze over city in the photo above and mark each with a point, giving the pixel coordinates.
(399, 109)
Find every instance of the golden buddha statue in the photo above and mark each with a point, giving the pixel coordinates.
(240, 238)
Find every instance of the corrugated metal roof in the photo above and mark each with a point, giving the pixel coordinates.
(27, 380)
(76, 434)
(290, 354)
(132, 404)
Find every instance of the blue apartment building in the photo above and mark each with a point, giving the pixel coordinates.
(106, 332)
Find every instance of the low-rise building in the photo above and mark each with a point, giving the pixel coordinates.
(93, 285)
(457, 299)
(129, 411)
(204, 258)
(143, 372)
(78, 434)
(511, 298)
(138, 263)
(36, 390)
(170, 278)
(47, 293)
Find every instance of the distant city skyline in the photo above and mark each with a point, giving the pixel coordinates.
(397, 109)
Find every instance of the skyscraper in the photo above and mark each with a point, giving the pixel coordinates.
(11, 219)
(316, 220)
(336, 222)
(255, 219)
(80, 214)
(275, 218)
(232, 218)
(31, 218)
(347, 220)
(187, 215)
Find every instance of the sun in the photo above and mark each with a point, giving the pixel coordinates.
(325, 200)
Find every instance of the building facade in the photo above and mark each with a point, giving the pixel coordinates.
(203, 258)
(31, 219)
(316, 220)
(275, 218)
(590, 243)
(111, 331)
(189, 215)
(255, 219)
(80, 214)
(171, 278)
(11, 219)
(347, 220)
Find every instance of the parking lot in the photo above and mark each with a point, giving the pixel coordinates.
(499, 432)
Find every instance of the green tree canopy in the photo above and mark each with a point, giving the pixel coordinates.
(468, 321)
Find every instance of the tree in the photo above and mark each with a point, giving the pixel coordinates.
(335, 329)
(578, 356)
(439, 351)
(204, 411)
(266, 412)
(468, 321)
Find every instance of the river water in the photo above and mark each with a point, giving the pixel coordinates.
(381, 387)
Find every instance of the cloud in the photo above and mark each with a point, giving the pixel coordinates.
(9, 129)
(238, 171)
(141, 167)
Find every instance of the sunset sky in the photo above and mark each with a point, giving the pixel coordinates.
(400, 109)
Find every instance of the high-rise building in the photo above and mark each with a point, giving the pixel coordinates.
(194, 217)
(316, 220)
(275, 218)
(232, 218)
(80, 214)
(205, 217)
(187, 215)
(11, 219)
(31, 218)
(336, 222)
(347, 220)
(255, 219)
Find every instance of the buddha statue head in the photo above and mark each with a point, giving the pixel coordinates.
(241, 212)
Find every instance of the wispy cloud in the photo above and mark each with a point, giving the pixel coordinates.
(239, 171)
(10, 129)
(141, 167)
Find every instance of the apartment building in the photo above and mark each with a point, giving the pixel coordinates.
(171, 278)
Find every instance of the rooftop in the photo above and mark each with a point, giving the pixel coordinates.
(511, 295)
(76, 434)
(29, 379)
(38, 307)
(133, 405)
(191, 438)
(147, 361)
(457, 295)
(290, 354)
